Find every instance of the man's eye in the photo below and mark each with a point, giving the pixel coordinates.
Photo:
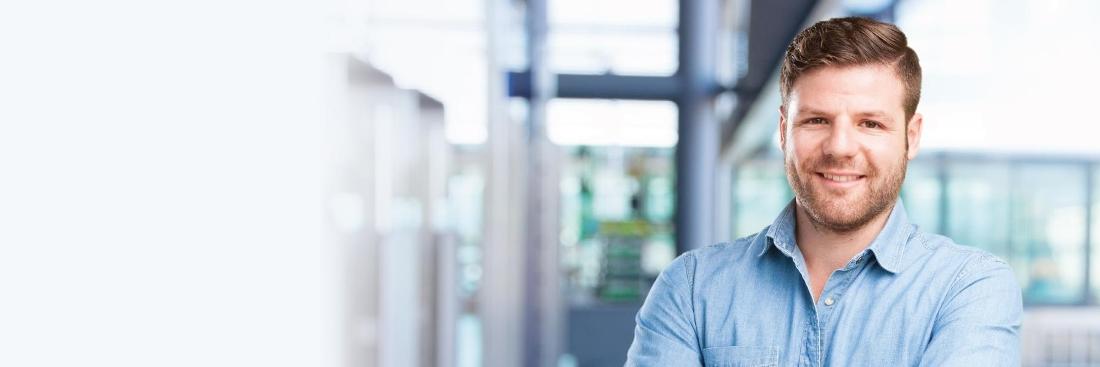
(815, 121)
(872, 124)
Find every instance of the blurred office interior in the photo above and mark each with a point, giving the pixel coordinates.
(575, 133)
(499, 181)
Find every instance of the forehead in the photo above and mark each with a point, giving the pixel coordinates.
(845, 88)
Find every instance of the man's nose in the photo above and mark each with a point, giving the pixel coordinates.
(841, 140)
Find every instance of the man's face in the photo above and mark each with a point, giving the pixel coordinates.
(846, 143)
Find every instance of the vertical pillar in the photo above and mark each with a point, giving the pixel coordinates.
(541, 300)
(697, 149)
(1090, 191)
(500, 304)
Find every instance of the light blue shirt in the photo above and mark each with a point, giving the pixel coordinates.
(909, 299)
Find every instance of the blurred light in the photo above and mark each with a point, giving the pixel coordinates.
(636, 37)
(402, 46)
(612, 122)
(656, 255)
(642, 52)
(1005, 77)
(623, 13)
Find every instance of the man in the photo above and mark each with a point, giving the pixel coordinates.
(841, 278)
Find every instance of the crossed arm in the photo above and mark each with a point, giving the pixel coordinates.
(978, 324)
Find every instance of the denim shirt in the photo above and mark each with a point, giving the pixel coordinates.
(909, 299)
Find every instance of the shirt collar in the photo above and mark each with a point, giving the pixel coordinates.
(887, 246)
(781, 233)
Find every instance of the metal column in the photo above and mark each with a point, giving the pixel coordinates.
(697, 148)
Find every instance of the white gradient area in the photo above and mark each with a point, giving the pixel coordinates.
(160, 188)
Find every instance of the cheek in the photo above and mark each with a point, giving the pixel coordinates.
(800, 157)
(886, 154)
(803, 146)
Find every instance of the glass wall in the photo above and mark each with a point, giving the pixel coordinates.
(1048, 231)
(977, 208)
(760, 187)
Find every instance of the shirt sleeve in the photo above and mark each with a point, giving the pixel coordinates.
(979, 324)
(665, 333)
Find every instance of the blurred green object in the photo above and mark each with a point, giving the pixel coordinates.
(622, 278)
(618, 204)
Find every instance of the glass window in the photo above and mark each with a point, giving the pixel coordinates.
(978, 205)
(1032, 215)
(760, 193)
(922, 193)
(1048, 231)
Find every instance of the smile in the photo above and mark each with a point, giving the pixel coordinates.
(840, 180)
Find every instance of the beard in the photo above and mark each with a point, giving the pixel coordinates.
(847, 211)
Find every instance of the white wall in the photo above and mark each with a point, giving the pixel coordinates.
(160, 184)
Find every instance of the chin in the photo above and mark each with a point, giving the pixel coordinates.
(844, 221)
(839, 214)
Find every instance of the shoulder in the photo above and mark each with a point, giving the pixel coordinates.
(978, 314)
(965, 264)
(724, 253)
(707, 261)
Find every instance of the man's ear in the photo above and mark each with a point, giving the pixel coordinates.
(782, 129)
(912, 134)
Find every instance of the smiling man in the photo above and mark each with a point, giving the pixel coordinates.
(841, 278)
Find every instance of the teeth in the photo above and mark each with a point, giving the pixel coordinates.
(840, 178)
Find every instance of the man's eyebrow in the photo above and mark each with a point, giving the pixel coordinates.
(812, 111)
(876, 114)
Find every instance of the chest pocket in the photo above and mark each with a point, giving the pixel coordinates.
(741, 357)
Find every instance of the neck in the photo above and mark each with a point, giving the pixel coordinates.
(826, 250)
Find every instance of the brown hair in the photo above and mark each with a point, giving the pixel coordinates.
(848, 42)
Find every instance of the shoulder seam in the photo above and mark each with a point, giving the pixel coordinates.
(690, 273)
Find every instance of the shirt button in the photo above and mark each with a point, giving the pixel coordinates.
(829, 301)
